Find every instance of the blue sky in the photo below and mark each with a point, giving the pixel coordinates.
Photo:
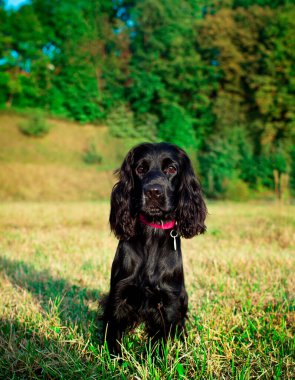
(15, 3)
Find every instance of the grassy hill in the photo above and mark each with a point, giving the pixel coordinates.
(52, 167)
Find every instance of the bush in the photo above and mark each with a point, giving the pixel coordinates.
(237, 190)
(35, 125)
(91, 156)
(177, 127)
(146, 126)
(121, 122)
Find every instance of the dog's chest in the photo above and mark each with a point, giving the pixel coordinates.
(154, 265)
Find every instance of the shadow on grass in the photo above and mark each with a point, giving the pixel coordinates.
(36, 348)
(55, 295)
(27, 351)
(30, 351)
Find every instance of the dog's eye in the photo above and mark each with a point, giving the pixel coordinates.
(171, 169)
(141, 169)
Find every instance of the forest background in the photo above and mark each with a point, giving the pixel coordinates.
(216, 77)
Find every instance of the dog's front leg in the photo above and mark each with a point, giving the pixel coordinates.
(115, 323)
(119, 315)
(113, 335)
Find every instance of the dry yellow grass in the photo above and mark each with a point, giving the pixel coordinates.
(64, 144)
(51, 167)
(36, 182)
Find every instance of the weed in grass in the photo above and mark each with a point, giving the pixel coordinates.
(91, 155)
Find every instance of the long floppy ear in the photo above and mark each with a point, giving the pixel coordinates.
(121, 220)
(191, 210)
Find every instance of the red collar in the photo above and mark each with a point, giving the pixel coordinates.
(163, 226)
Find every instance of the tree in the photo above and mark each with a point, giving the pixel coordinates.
(166, 76)
(251, 51)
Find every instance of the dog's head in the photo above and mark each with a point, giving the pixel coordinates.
(157, 181)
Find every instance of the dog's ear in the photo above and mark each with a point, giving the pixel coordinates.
(191, 210)
(121, 220)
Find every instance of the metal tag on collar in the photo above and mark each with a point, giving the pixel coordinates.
(174, 235)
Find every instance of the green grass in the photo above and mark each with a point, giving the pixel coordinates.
(55, 263)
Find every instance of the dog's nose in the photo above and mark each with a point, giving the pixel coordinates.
(153, 191)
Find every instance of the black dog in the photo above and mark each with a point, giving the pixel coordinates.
(157, 200)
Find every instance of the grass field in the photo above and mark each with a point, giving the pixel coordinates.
(55, 263)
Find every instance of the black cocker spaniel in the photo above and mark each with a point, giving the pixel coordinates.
(157, 200)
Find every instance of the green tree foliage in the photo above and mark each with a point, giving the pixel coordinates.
(167, 77)
(215, 77)
(255, 65)
(169, 130)
(75, 87)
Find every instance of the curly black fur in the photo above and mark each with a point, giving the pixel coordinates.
(147, 281)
